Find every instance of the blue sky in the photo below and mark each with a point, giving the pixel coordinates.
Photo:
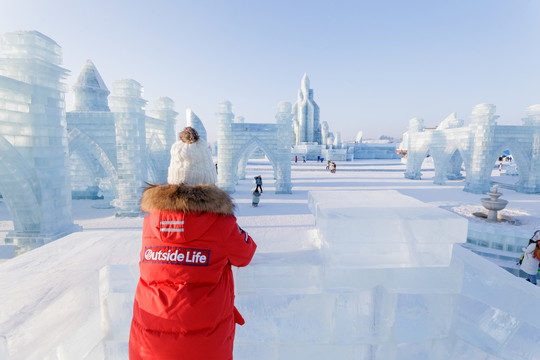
(373, 65)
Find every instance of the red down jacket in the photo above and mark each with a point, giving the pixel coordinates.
(184, 302)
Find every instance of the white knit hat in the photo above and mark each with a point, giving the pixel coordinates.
(191, 161)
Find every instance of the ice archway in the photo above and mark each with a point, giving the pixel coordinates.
(238, 140)
(478, 145)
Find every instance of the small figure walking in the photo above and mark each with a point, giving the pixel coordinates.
(531, 257)
(333, 167)
(303, 158)
(255, 199)
(328, 165)
(296, 158)
(258, 182)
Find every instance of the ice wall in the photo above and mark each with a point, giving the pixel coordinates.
(35, 181)
(128, 108)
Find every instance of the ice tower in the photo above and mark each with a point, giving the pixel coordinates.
(128, 108)
(160, 136)
(89, 91)
(306, 123)
(34, 179)
(91, 135)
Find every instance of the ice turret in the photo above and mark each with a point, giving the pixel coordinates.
(89, 91)
(196, 123)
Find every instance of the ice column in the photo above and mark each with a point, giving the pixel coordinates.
(129, 113)
(483, 130)
(283, 151)
(160, 136)
(414, 158)
(532, 185)
(38, 133)
(226, 170)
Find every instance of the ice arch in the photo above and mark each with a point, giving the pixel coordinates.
(20, 188)
(95, 158)
(479, 145)
(237, 140)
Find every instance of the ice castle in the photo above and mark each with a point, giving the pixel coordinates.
(94, 151)
(476, 147)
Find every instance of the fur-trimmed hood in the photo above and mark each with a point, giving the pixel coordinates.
(187, 198)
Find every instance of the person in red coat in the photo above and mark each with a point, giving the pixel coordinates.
(184, 302)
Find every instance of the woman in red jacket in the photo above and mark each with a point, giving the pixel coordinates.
(184, 302)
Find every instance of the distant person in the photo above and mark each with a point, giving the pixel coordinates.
(255, 199)
(258, 182)
(531, 258)
(303, 158)
(184, 301)
(296, 159)
(333, 167)
(328, 165)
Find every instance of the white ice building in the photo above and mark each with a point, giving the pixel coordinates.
(117, 151)
(238, 140)
(477, 147)
(34, 179)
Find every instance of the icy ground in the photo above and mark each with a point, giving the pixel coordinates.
(70, 299)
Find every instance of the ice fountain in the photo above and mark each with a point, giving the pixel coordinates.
(493, 204)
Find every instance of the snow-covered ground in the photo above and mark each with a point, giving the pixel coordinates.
(70, 299)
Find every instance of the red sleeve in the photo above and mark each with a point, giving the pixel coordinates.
(239, 245)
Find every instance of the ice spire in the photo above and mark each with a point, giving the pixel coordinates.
(305, 83)
(89, 91)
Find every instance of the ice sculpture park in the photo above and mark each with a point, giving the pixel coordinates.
(365, 263)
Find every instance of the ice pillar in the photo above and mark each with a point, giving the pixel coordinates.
(532, 183)
(283, 151)
(37, 135)
(129, 114)
(483, 130)
(226, 168)
(415, 158)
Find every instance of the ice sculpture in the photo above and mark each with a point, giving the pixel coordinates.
(196, 123)
(89, 91)
(160, 136)
(307, 126)
(478, 147)
(237, 141)
(34, 179)
(128, 108)
(91, 134)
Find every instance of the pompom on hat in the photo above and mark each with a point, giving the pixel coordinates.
(191, 161)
